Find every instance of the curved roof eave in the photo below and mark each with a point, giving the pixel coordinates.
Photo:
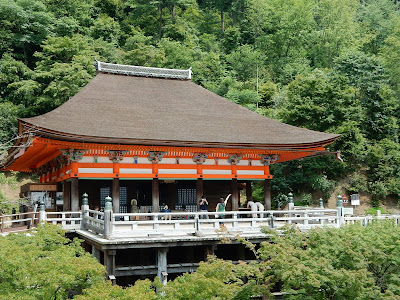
(180, 143)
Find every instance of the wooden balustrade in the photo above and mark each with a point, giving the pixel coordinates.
(184, 223)
(111, 225)
(94, 221)
(67, 219)
(17, 221)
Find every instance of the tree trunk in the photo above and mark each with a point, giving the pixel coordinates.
(222, 21)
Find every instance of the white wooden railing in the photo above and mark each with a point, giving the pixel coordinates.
(67, 219)
(189, 223)
(364, 220)
(17, 221)
(94, 221)
(113, 225)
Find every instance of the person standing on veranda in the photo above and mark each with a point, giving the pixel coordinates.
(221, 206)
(203, 207)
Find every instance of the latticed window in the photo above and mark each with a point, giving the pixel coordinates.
(123, 199)
(186, 193)
(104, 192)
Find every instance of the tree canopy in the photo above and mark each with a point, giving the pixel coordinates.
(45, 265)
(352, 262)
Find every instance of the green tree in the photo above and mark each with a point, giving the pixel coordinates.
(143, 289)
(218, 279)
(24, 24)
(107, 29)
(336, 29)
(278, 28)
(12, 71)
(376, 20)
(390, 52)
(45, 265)
(368, 76)
(244, 62)
(383, 174)
(246, 98)
(65, 66)
(80, 10)
(321, 101)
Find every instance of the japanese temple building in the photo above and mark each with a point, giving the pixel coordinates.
(154, 135)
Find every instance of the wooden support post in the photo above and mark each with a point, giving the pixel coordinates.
(155, 192)
(199, 191)
(96, 253)
(162, 265)
(209, 250)
(109, 262)
(241, 252)
(235, 194)
(74, 194)
(267, 194)
(115, 195)
(190, 253)
(66, 196)
(249, 192)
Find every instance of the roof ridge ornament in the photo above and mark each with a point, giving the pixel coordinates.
(142, 71)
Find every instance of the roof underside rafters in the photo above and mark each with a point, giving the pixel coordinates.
(44, 150)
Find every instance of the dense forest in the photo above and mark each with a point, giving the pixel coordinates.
(329, 65)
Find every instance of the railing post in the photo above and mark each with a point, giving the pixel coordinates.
(305, 215)
(235, 222)
(290, 197)
(290, 206)
(197, 222)
(157, 218)
(271, 221)
(42, 211)
(85, 208)
(33, 220)
(108, 215)
(339, 207)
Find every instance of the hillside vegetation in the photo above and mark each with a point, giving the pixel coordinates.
(329, 65)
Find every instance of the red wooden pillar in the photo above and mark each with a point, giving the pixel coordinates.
(235, 194)
(66, 196)
(249, 192)
(199, 191)
(267, 194)
(155, 191)
(115, 195)
(74, 194)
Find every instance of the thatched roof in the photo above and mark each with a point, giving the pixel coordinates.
(157, 111)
